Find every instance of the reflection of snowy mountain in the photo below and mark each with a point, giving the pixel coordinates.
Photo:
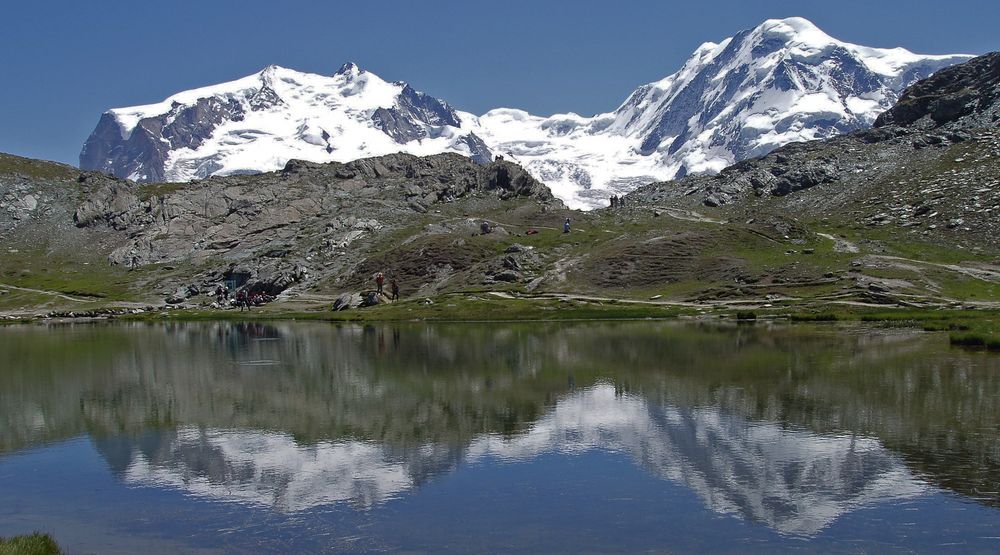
(793, 481)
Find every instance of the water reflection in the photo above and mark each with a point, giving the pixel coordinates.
(783, 426)
(794, 481)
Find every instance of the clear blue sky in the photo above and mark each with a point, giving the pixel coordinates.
(64, 62)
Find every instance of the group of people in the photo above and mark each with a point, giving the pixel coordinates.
(380, 286)
(243, 299)
(617, 201)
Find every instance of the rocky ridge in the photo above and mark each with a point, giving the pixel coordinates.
(295, 226)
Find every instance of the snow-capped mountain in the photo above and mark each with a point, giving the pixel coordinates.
(259, 122)
(784, 81)
(781, 82)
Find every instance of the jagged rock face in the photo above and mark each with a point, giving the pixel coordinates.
(266, 228)
(143, 154)
(781, 82)
(967, 95)
(260, 122)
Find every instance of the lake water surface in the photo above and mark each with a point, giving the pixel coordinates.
(591, 437)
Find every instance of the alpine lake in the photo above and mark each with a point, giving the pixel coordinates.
(585, 437)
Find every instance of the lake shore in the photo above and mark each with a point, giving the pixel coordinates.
(967, 326)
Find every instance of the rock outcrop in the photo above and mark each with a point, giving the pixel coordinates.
(960, 96)
(274, 230)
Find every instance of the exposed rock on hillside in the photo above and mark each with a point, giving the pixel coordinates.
(308, 220)
(961, 96)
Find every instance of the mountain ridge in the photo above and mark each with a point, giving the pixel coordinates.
(783, 81)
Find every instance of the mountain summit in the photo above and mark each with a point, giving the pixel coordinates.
(259, 122)
(783, 81)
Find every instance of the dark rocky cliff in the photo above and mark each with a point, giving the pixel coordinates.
(961, 96)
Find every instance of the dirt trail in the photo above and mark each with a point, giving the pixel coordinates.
(593, 298)
(689, 215)
(840, 244)
(984, 274)
(53, 293)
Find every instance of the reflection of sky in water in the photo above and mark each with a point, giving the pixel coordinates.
(793, 481)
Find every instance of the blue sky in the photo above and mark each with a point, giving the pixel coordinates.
(65, 62)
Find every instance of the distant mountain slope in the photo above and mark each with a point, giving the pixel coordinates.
(781, 82)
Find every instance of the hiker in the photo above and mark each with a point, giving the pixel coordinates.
(241, 300)
(485, 227)
(394, 288)
(621, 202)
(566, 226)
(379, 280)
(218, 294)
(614, 201)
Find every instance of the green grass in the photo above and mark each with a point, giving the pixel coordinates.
(988, 340)
(825, 316)
(975, 328)
(37, 269)
(31, 544)
(38, 169)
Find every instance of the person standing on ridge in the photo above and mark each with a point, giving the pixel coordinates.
(566, 226)
(394, 289)
(379, 280)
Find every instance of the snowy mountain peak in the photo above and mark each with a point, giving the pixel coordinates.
(782, 81)
(793, 29)
(349, 69)
(259, 122)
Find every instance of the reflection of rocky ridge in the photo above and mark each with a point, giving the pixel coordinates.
(793, 481)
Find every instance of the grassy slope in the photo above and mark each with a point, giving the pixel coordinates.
(32, 544)
(631, 255)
